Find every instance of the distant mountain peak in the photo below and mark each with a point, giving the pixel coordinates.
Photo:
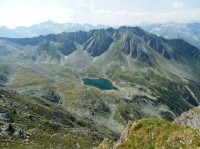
(48, 22)
(47, 27)
(189, 32)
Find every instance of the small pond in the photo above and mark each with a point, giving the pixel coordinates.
(100, 83)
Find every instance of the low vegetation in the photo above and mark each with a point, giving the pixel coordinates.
(157, 133)
(35, 123)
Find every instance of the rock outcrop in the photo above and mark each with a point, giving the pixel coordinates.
(4, 117)
(190, 118)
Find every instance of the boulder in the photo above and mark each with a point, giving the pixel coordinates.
(19, 134)
(8, 128)
(5, 117)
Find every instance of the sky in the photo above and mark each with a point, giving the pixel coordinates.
(15, 13)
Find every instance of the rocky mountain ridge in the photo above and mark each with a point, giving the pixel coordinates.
(97, 42)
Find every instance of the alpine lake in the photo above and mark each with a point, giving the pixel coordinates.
(100, 83)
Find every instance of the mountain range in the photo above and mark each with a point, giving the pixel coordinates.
(44, 28)
(187, 31)
(155, 78)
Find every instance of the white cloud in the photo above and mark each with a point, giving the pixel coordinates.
(27, 14)
(128, 18)
(83, 2)
(185, 16)
(103, 12)
(177, 5)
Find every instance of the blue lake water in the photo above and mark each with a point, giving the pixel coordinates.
(100, 83)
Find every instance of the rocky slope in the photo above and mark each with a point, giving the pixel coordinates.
(190, 118)
(34, 123)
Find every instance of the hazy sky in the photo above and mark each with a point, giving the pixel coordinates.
(111, 12)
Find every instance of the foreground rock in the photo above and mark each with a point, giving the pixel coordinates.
(190, 118)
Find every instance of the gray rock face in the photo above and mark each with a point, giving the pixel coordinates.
(190, 118)
(5, 117)
(131, 41)
(19, 134)
(8, 128)
(52, 96)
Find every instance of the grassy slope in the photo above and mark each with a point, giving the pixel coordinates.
(156, 133)
(48, 125)
(127, 103)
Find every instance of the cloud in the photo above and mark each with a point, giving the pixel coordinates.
(124, 17)
(177, 5)
(103, 12)
(82, 2)
(26, 14)
(184, 16)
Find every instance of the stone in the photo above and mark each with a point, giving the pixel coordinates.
(5, 117)
(25, 127)
(27, 136)
(78, 145)
(8, 128)
(52, 96)
(19, 134)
